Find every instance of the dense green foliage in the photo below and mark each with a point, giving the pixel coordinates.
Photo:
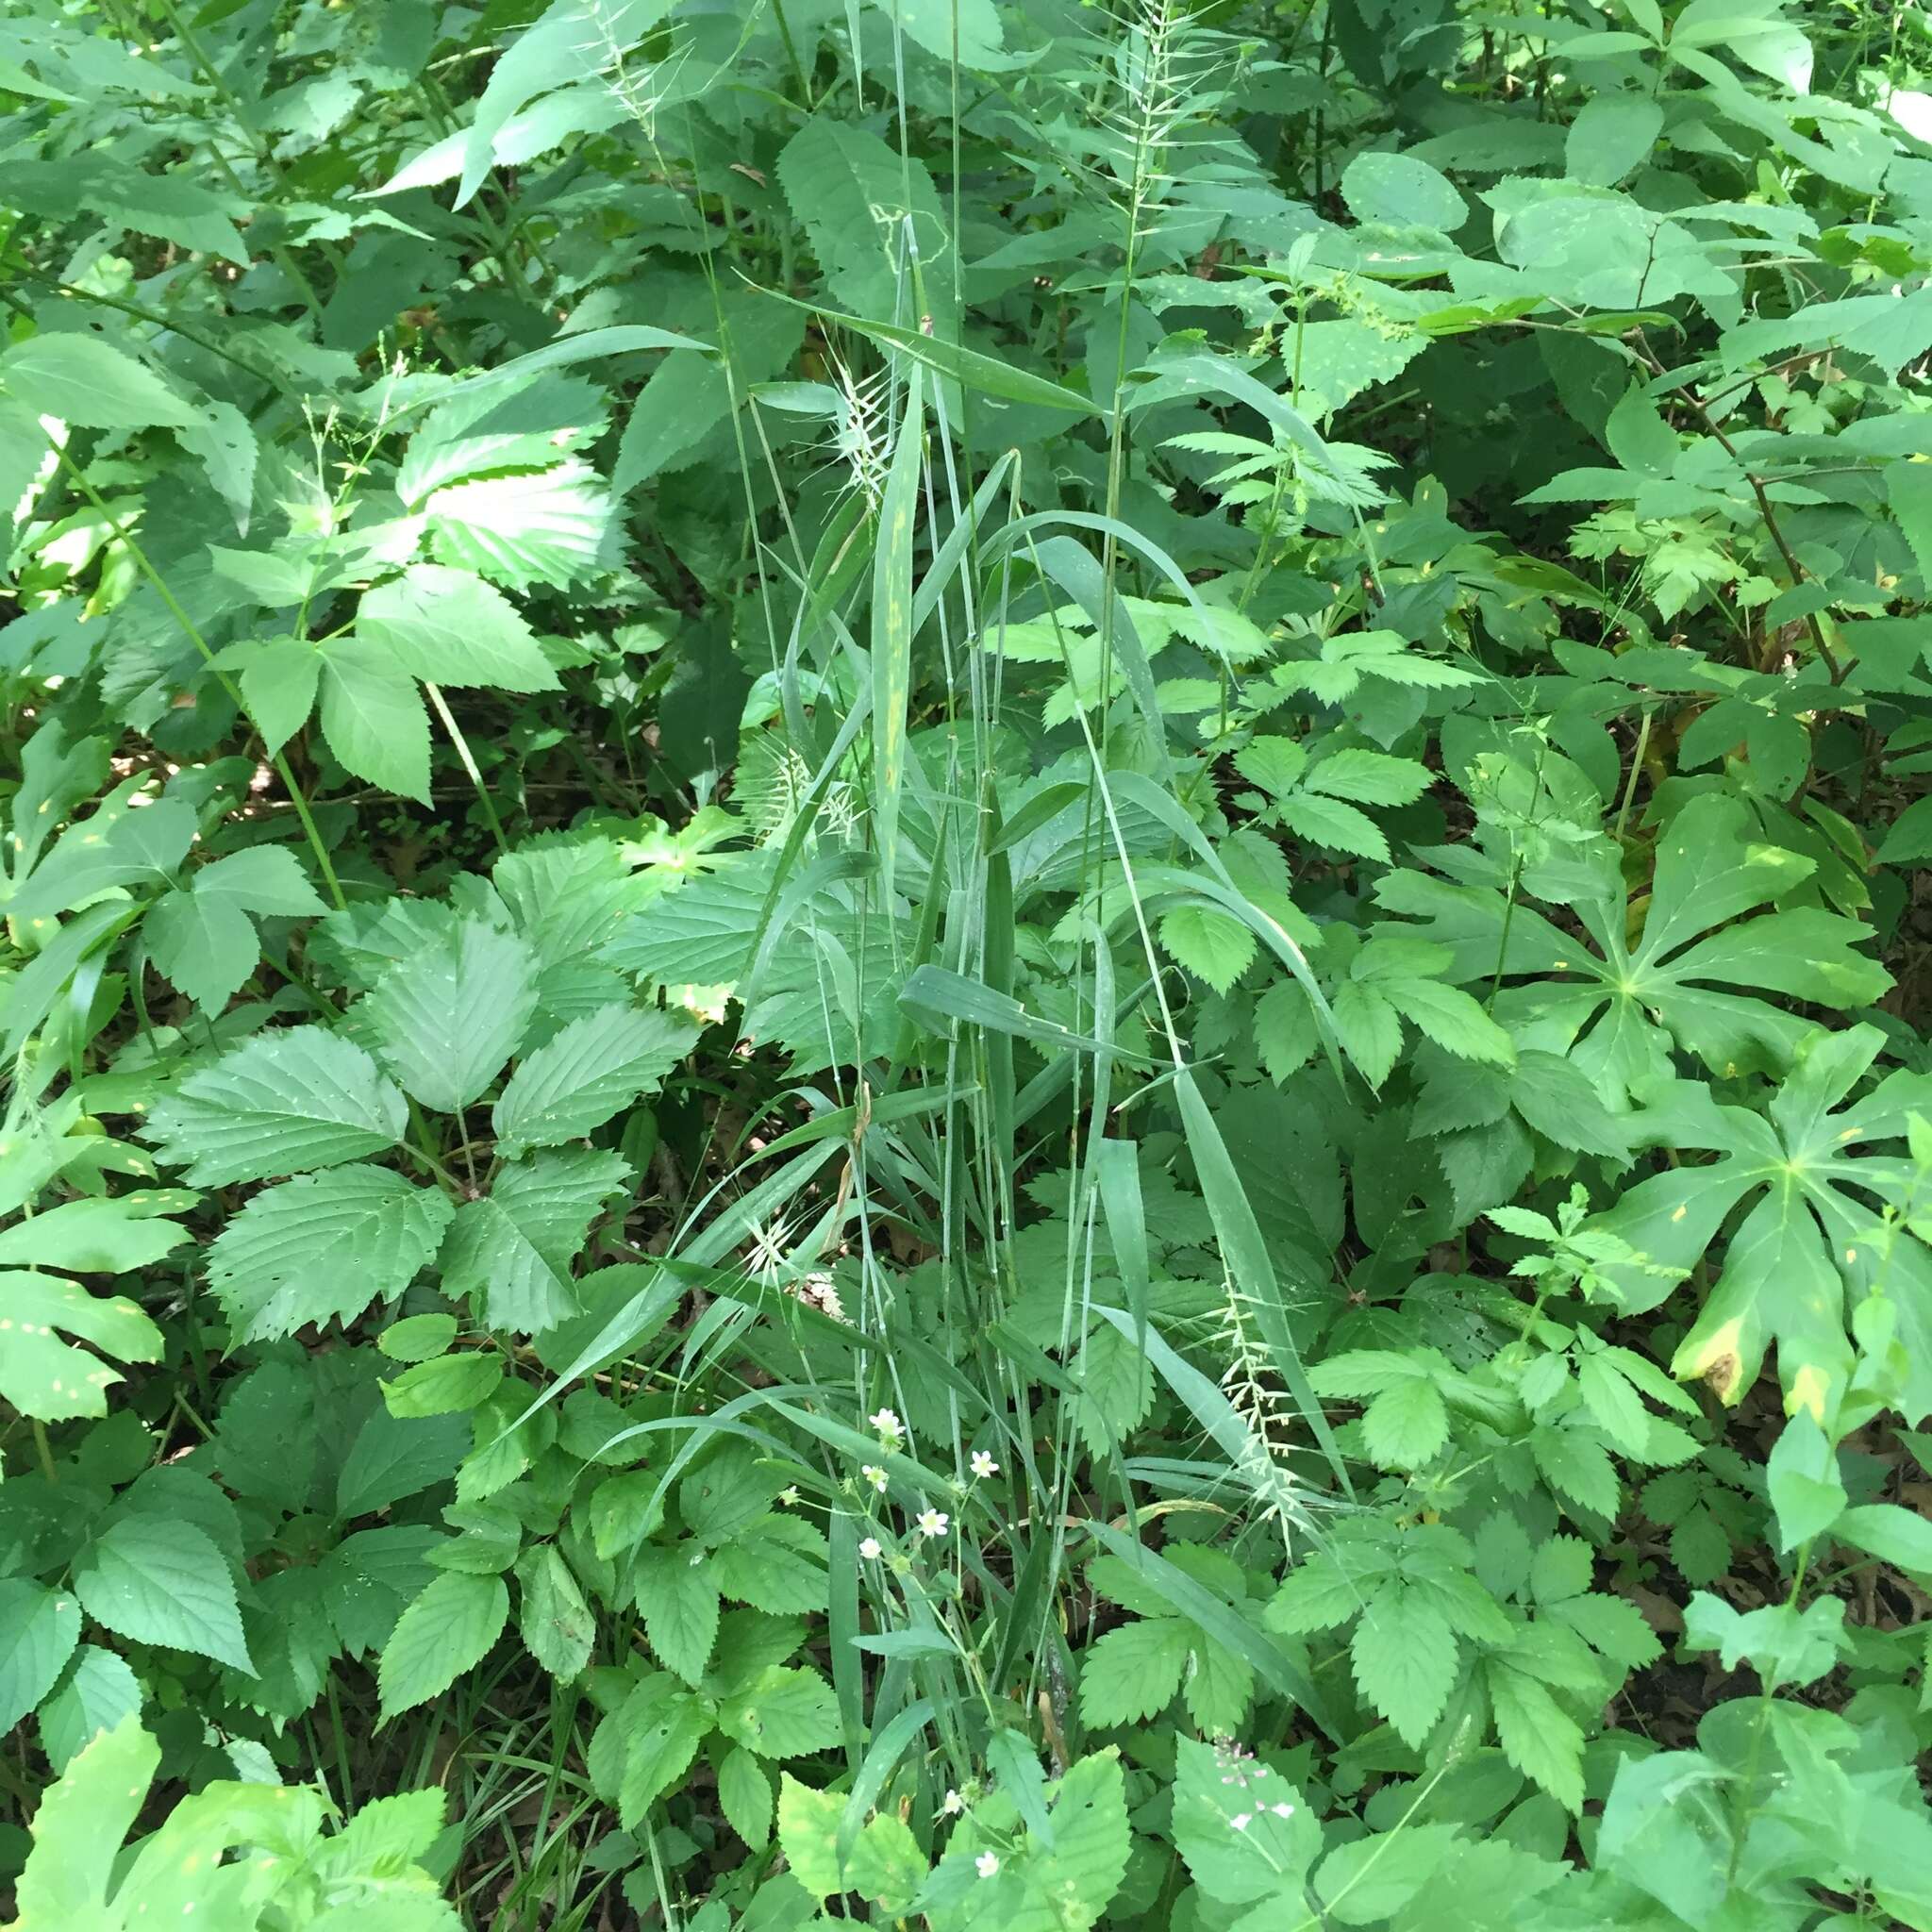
(961, 964)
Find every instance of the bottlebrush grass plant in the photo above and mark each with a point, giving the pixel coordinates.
(963, 965)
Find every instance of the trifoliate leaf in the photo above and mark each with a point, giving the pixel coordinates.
(322, 1247)
(297, 1098)
(203, 939)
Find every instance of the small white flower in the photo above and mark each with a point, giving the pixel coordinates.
(953, 1804)
(874, 1475)
(886, 1423)
(1241, 1820)
(871, 1549)
(789, 1498)
(1283, 1811)
(986, 1864)
(933, 1522)
(983, 1465)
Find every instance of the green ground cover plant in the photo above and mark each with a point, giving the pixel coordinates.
(964, 965)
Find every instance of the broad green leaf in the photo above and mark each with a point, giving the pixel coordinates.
(575, 1082)
(372, 717)
(512, 1250)
(527, 527)
(203, 939)
(783, 1712)
(160, 1579)
(95, 1692)
(89, 383)
(1612, 135)
(1131, 1674)
(39, 1630)
(322, 1247)
(1369, 1879)
(101, 1236)
(444, 1384)
(698, 935)
(744, 1796)
(1211, 944)
(555, 1624)
(1366, 777)
(79, 1827)
(1268, 1857)
(680, 1604)
(288, 1100)
(1403, 191)
(279, 679)
(447, 1630)
(42, 1373)
(857, 197)
(1404, 1655)
(450, 628)
(447, 1018)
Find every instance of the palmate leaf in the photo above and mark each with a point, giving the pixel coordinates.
(1808, 1249)
(288, 1101)
(1614, 1008)
(593, 1067)
(513, 1249)
(448, 1017)
(322, 1247)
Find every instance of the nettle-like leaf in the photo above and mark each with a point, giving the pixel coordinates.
(1615, 1007)
(1132, 1674)
(448, 1017)
(324, 1246)
(511, 1251)
(1810, 1248)
(593, 1068)
(1321, 801)
(1413, 1602)
(1393, 978)
(298, 1098)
